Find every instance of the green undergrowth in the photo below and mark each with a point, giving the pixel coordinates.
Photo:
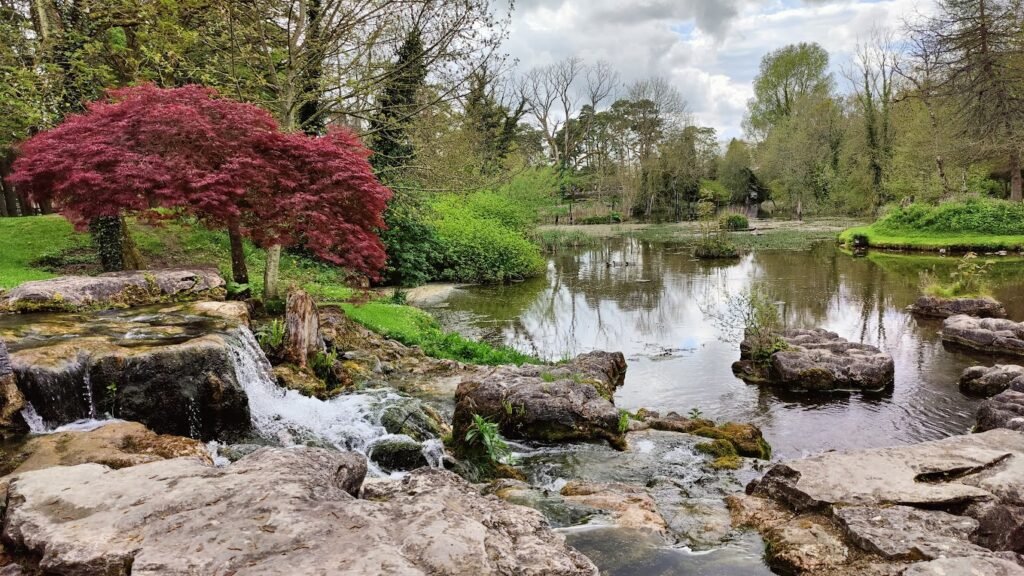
(414, 327)
(967, 225)
(24, 242)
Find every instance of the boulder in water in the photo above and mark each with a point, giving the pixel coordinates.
(987, 381)
(1004, 410)
(398, 453)
(818, 360)
(552, 404)
(11, 398)
(116, 290)
(276, 511)
(989, 335)
(934, 307)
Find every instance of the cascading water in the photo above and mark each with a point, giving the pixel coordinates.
(347, 422)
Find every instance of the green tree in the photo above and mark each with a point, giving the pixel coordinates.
(787, 77)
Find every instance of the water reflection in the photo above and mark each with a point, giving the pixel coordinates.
(652, 301)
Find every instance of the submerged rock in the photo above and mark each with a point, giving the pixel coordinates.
(277, 511)
(115, 290)
(552, 404)
(989, 335)
(957, 498)
(11, 398)
(934, 307)
(988, 381)
(629, 506)
(117, 445)
(818, 360)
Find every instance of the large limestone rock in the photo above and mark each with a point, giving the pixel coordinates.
(989, 335)
(11, 399)
(987, 381)
(276, 511)
(116, 290)
(1004, 410)
(117, 445)
(934, 307)
(818, 360)
(563, 403)
(957, 501)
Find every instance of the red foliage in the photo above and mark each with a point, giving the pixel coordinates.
(189, 150)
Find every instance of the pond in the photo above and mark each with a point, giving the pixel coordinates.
(663, 309)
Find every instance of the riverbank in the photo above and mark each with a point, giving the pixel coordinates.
(873, 237)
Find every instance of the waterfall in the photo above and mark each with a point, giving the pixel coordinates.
(346, 422)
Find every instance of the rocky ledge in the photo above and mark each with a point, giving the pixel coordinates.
(986, 381)
(989, 335)
(551, 404)
(817, 360)
(934, 307)
(950, 507)
(276, 511)
(115, 290)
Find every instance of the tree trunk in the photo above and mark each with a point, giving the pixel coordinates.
(1015, 181)
(302, 329)
(107, 238)
(239, 271)
(270, 273)
(131, 258)
(799, 209)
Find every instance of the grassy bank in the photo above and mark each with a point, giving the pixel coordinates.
(967, 225)
(27, 243)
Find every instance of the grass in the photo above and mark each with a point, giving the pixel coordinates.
(952, 241)
(553, 240)
(25, 241)
(973, 224)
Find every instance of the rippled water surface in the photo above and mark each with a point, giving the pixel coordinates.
(663, 311)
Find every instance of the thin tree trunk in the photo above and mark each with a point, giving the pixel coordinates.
(239, 271)
(270, 273)
(130, 255)
(1015, 180)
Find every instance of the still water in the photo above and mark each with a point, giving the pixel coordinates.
(665, 311)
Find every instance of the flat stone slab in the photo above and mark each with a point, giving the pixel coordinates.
(933, 307)
(988, 381)
(965, 567)
(905, 533)
(116, 290)
(989, 335)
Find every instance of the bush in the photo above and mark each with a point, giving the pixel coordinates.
(969, 279)
(733, 222)
(973, 216)
(612, 218)
(714, 247)
(411, 244)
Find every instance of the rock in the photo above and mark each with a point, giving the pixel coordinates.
(186, 389)
(11, 398)
(1004, 410)
(989, 335)
(277, 511)
(805, 546)
(232, 310)
(965, 567)
(302, 381)
(559, 511)
(302, 329)
(629, 506)
(117, 445)
(818, 360)
(1000, 526)
(414, 419)
(905, 533)
(984, 381)
(116, 290)
(552, 404)
(934, 307)
(398, 453)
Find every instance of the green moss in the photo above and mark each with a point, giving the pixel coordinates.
(718, 448)
(746, 439)
(727, 463)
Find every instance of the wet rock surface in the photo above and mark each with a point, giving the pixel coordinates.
(987, 381)
(935, 307)
(116, 290)
(553, 404)
(277, 511)
(989, 335)
(954, 501)
(11, 398)
(818, 360)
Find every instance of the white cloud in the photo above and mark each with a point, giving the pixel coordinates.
(710, 49)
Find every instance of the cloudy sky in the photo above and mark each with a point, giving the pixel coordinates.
(709, 49)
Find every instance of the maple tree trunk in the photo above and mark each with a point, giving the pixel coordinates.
(239, 271)
(270, 273)
(130, 255)
(302, 329)
(1015, 180)
(106, 236)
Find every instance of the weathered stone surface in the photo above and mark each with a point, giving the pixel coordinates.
(187, 388)
(819, 360)
(1004, 410)
(398, 453)
(1000, 525)
(987, 381)
(629, 506)
(965, 567)
(11, 398)
(934, 307)
(745, 439)
(302, 381)
(116, 290)
(302, 329)
(990, 335)
(568, 402)
(805, 545)
(905, 533)
(231, 310)
(276, 511)
(117, 445)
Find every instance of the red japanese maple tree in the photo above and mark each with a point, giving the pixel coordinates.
(223, 161)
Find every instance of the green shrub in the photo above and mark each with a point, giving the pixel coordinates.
(714, 248)
(411, 243)
(475, 249)
(973, 216)
(484, 433)
(271, 335)
(733, 222)
(610, 218)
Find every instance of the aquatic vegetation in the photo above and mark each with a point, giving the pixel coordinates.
(733, 221)
(485, 434)
(969, 279)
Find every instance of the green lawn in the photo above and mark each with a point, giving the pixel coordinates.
(23, 241)
(914, 240)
